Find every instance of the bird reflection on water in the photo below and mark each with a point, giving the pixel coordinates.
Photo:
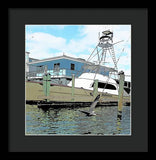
(70, 121)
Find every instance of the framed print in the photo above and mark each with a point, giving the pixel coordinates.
(77, 53)
(76, 82)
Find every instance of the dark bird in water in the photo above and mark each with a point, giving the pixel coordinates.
(92, 107)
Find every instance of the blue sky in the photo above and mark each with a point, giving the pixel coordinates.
(44, 41)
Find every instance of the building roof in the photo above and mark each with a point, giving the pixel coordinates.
(91, 65)
(61, 57)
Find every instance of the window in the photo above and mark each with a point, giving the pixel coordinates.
(72, 67)
(106, 86)
(56, 66)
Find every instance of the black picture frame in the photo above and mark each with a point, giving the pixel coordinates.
(17, 141)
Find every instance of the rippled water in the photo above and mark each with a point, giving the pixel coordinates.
(70, 121)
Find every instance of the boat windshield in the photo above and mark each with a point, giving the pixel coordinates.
(105, 85)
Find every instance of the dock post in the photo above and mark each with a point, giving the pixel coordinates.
(46, 85)
(73, 85)
(120, 96)
(95, 89)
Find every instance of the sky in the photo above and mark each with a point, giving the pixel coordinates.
(45, 41)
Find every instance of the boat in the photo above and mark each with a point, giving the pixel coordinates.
(105, 83)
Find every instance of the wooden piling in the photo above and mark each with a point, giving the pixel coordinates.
(72, 89)
(120, 96)
(46, 84)
(95, 89)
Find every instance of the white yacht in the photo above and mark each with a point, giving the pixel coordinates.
(105, 83)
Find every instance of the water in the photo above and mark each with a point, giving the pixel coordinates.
(70, 121)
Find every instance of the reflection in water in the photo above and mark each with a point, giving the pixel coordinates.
(118, 128)
(119, 118)
(70, 121)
